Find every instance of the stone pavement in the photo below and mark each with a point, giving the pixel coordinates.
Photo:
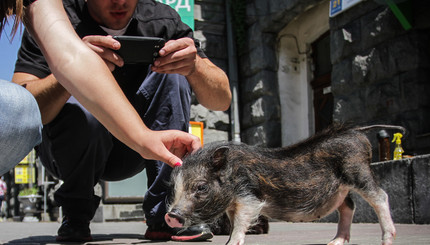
(280, 233)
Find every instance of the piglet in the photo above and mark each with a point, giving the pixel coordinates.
(299, 183)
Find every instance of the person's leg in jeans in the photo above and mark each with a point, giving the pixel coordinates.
(79, 150)
(1, 202)
(20, 124)
(164, 102)
(75, 148)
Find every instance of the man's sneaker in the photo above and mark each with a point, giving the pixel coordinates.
(187, 234)
(193, 233)
(158, 232)
(74, 231)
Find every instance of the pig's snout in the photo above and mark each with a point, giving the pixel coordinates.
(174, 220)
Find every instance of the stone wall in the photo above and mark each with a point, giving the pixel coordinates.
(210, 29)
(407, 186)
(381, 71)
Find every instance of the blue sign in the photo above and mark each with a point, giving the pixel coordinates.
(335, 7)
(338, 6)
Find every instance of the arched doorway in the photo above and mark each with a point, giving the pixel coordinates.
(296, 72)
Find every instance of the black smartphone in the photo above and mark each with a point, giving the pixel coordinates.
(135, 49)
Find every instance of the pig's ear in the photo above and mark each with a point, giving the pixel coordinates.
(219, 157)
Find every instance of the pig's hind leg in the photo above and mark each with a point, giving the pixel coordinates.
(359, 176)
(367, 187)
(378, 199)
(346, 213)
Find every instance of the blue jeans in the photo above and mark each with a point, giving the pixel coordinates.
(20, 124)
(1, 202)
(79, 150)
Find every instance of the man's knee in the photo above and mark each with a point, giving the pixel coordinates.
(74, 138)
(75, 125)
(163, 101)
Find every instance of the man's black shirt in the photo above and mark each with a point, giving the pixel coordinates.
(150, 19)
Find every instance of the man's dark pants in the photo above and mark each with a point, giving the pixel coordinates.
(77, 149)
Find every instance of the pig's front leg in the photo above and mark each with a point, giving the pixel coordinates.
(241, 215)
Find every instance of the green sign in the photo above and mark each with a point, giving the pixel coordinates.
(185, 8)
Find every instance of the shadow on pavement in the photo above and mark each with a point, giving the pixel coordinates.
(97, 239)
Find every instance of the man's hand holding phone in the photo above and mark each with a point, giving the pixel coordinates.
(105, 47)
(139, 50)
(177, 56)
(120, 50)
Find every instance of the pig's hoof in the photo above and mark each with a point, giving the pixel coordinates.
(388, 237)
(337, 241)
(387, 242)
(239, 240)
(236, 243)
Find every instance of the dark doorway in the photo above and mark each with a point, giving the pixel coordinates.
(321, 84)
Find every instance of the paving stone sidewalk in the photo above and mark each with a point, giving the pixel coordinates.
(280, 233)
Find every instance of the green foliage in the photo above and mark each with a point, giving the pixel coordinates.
(28, 191)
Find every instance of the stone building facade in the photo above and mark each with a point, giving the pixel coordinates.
(378, 72)
(300, 70)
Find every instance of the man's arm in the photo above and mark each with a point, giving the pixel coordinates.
(49, 93)
(209, 82)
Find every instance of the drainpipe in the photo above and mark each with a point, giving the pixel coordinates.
(233, 77)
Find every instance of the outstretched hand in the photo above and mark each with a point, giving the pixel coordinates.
(169, 146)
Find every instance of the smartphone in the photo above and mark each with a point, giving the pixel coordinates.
(135, 49)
